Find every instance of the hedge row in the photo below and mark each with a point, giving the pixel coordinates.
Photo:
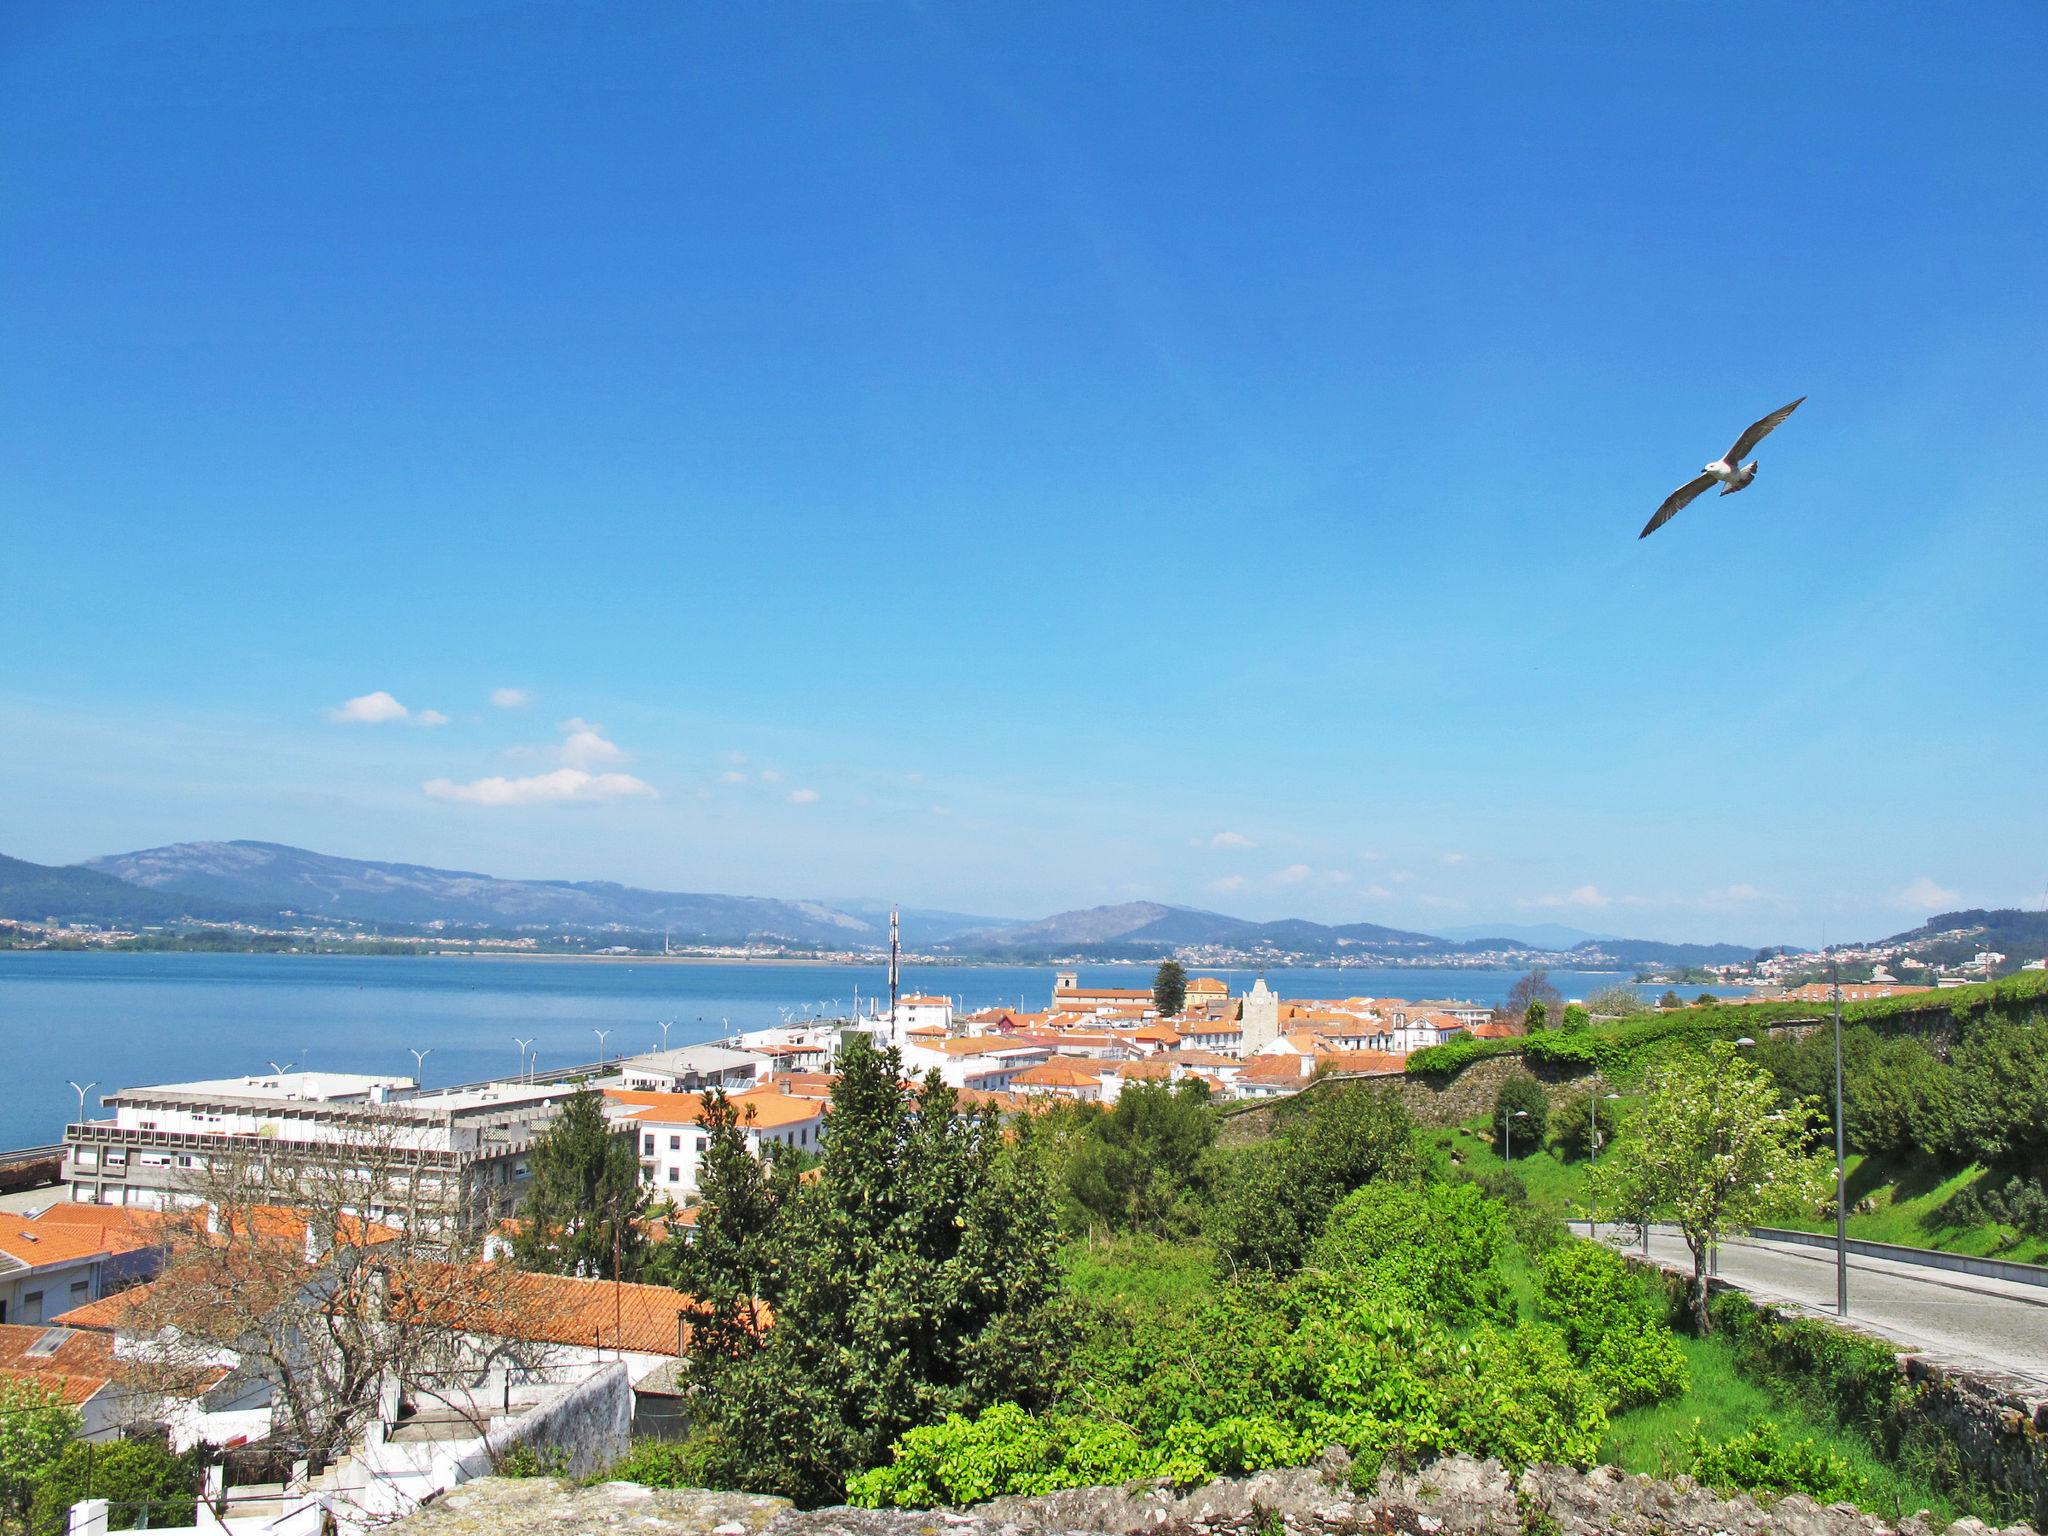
(1625, 1042)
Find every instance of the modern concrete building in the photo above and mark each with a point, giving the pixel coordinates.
(465, 1149)
(694, 1068)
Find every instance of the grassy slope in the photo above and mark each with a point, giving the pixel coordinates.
(1902, 1199)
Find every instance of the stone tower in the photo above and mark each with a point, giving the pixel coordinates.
(1261, 1018)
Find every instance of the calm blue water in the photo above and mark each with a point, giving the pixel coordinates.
(122, 1020)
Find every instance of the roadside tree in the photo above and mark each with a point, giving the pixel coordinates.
(1521, 1096)
(1710, 1147)
(1616, 1002)
(35, 1426)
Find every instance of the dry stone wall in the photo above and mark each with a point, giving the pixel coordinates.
(1453, 1497)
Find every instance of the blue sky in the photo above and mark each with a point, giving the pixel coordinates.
(1015, 457)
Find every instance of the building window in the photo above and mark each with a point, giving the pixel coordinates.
(703, 1143)
(647, 1148)
(675, 1143)
(79, 1288)
(675, 1175)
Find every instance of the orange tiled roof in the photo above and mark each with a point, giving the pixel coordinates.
(1157, 1068)
(108, 1313)
(79, 1366)
(1059, 1073)
(772, 1108)
(1262, 1069)
(58, 1236)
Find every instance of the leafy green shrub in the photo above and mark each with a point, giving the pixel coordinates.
(661, 1464)
(1438, 1246)
(1762, 1460)
(143, 1484)
(1611, 1325)
(1521, 1112)
(2018, 1202)
(1273, 1198)
(528, 1460)
(1571, 1124)
(35, 1426)
(1525, 1401)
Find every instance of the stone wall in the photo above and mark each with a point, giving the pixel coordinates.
(1997, 1427)
(591, 1424)
(1453, 1497)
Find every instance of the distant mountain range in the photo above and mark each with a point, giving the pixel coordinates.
(270, 883)
(1548, 935)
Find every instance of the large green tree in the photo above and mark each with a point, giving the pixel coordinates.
(580, 1214)
(1169, 989)
(1273, 1197)
(1711, 1149)
(1521, 1115)
(1142, 1165)
(915, 1277)
(35, 1426)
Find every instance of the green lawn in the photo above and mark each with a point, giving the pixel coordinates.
(1896, 1201)
(1653, 1439)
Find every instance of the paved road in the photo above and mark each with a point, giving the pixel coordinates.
(1979, 1324)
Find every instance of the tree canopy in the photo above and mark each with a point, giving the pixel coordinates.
(1711, 1147)
(580, 1214)
(1169, 989)
(915, 1277)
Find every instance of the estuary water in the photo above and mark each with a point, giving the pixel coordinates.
(123, 1020)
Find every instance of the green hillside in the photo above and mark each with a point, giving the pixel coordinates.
(34, 893)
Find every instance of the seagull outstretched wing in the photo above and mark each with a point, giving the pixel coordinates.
(1678, 500)
(1758, 431)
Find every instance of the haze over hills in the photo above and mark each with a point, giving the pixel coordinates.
(271, 883)
(1549, 935)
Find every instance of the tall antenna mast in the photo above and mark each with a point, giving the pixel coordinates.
(895, 958)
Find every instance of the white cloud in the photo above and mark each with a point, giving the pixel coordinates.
(942, 810)
(1377, 893)
(1583, 896)
(803, 796)
(735, 758)
(1443, 903)
(1231, 840)
(770, 776)
(370, 709)
(563, 784)
(1293, 874)
(1227, 884)
(1457, 858)
(585, 746)
(380, 708)
(511, 698)
(1923, 895)
(732, 776)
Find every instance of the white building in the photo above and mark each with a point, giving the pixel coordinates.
(670, 1138)
(987, 1062)
(468, 1146)
(694, 1068)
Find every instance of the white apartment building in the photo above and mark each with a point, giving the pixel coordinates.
(468, 1146)
(987, 1062)
(670, 1139)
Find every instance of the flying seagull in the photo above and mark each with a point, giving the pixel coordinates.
(1730, 471)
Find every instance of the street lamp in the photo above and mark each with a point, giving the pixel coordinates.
(1593, 1164)
(522, 1044)
(665, 1023)
(1841, 1178)
(1507, 1137)
(82, 1092)
(419, 1066)
(601, 1034)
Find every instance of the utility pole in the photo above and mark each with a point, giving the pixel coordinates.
(895, 960)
